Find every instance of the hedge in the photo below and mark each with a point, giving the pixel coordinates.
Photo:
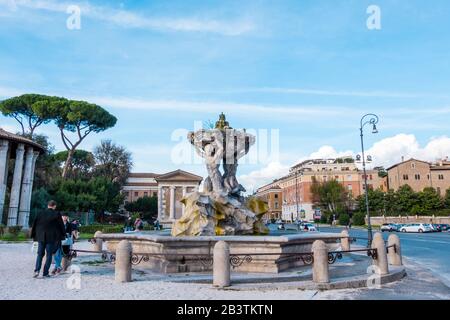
(107, 228)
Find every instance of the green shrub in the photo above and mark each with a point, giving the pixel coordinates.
(344, 219)
(148, 227)
(14, 230)
(359, 219)
(21, 236)
(105, 228)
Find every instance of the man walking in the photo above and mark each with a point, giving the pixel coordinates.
(48, 230)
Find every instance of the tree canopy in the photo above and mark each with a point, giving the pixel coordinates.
(29, 110)
(113, 161)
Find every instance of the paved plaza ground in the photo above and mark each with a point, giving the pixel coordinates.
(97, 282)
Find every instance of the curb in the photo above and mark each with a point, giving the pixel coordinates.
(396, 274)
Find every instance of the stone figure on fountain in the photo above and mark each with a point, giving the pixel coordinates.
(221, 209)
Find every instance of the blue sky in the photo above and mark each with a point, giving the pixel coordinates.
(309, 69)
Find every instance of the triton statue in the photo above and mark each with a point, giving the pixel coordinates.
(220, 208)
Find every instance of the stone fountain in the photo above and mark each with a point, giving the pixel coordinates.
(221, 209)
(220, 212)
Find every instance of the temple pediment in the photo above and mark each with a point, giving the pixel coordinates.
(178, 175)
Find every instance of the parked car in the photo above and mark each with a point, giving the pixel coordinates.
(444, 227)
(416, 227)
(388, 227)
(436, 227)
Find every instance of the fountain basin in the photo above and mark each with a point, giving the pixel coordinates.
(178, 254)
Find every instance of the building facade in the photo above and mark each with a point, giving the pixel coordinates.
(272, 194)
(24, 153)
(296, 195)
(420, 174)
(169, 188)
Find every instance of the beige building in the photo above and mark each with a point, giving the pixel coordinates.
(420, 174)
(169, 187)
(297, 198)
(273, 195)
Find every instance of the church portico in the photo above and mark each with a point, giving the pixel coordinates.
(170, 188)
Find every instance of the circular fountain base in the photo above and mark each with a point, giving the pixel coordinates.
(169, 254)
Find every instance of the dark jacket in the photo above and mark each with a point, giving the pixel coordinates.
(48, 227)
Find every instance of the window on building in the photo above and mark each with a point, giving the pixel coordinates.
(428, 176)
(417, 176)
(349, 177)
(276, 205)
(154, 194)
(276, 196)
(145, 194)
(441, 177)
(413, 165)
(438, 189)
(405, 177)
(349, 187)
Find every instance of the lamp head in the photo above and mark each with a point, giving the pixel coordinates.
(374, 129)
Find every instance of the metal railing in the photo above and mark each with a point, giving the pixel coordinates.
(236, 260)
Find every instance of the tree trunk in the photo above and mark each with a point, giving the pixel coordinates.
(68, 163)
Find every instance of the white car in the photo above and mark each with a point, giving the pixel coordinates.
(416, 227)
(308, 227)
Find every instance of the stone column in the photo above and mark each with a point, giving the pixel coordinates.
(160, 202)
(25, 197)
(172, 202)
(98, 245)
(15, 189)
(320, 265)
(123, 261)
(221, 265)
(184, 195)
(4, 157)
(394, 254)
(381, 261)
(345, 241)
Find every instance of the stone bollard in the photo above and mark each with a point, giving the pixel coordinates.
(320, 265)
(123, 261)
(394, 254)
(98, 245)
(221, 265)
(345, 241)
(381, 261)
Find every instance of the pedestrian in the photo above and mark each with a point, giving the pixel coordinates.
(139, 224)
(48, 230)
(157, 225)
(65, 245)
(128, 224)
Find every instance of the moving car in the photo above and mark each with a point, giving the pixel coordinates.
(444, 227)
(308, 227)
(416, 227)
(388, 227)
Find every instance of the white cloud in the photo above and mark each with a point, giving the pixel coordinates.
(258, 178)
(390, 151)
(385, 152)
(128, 19)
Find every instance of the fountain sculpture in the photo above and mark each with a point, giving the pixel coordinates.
(221, 209)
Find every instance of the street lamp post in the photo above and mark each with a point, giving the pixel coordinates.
(296, 191)
(373, 120)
